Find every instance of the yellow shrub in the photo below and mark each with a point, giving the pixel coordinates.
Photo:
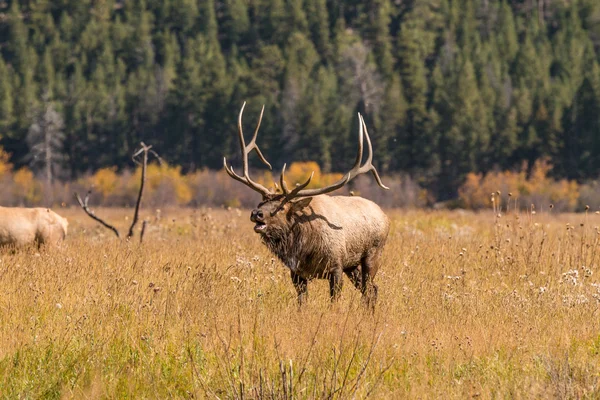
(5, 165)
(538, 179)
(105, 180)
(299, 172)
(471, 192)
(477, 190)
(328, 179)
(166, 177)
(266, 179)
(26, 186)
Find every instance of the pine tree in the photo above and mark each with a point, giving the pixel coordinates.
(296, 18)
(6, 98)
(276, 29)
(236, 22)
(46, 74)
(581, 150)
(302, 57)
(74, 147)
(470, 117)
(312, 143)
(208, 21)
(181, 16)
(390, 127)
(139, 50)
(381, 37)
(318, 23)
(18, 46)
(418, 139)
(507, 41)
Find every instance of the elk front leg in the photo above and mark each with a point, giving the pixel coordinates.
(301, 285)
(335, 284)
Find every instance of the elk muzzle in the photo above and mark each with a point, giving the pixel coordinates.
(258, 217)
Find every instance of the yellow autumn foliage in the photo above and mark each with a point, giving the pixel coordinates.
(164, 177)
(530, 188)
(5, 165)
(26, 186)
(105, 181)
(299, 172)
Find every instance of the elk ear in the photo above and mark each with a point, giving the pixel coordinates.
(300, 204)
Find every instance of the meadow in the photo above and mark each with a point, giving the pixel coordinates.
(471, 305)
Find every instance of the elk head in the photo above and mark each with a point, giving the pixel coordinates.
(275, 212)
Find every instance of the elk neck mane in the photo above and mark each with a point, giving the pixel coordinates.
(296, 241)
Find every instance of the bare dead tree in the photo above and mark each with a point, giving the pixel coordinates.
(45, 139)
(143, 152)
(143, 230)
(361, 80)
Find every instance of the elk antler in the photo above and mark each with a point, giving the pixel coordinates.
(357, 169)
(246, 149)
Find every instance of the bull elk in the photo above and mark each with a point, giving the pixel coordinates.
(316, 235)
(22, 226)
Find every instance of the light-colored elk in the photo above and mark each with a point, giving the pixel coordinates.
(316, 235)
(23, 226)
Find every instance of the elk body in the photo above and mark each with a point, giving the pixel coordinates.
(22, 226)
(316, 235)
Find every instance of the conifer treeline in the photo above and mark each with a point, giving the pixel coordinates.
(447, 86)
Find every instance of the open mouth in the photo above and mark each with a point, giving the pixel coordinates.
(260, 226)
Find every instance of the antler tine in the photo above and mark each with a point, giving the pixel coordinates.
(252, 145)
(368, 164)
(232, 173)
(282, 183)
(246, 149)
(297, 189)
(359, 154)
(297, 192)
(366, 133)
(241, 139)
(357, 169)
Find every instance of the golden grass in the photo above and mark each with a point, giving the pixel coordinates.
(471, 305)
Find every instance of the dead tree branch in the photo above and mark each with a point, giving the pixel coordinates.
(143, 151)
(84, 206)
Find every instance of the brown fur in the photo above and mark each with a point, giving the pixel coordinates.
(22, 226)
(325, 236)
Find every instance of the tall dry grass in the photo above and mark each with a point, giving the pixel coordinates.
(471, 305)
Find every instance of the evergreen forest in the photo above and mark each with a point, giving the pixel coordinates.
(447, 87)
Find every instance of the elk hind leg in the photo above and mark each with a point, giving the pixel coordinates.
(335, 284)
(355, 276)
(301, 286)
(370, 264)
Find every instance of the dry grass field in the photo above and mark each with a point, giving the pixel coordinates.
(470, 305)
